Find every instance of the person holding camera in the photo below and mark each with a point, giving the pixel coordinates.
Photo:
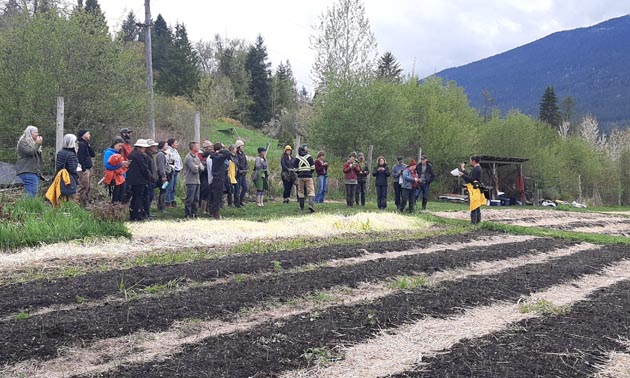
(381, 172)
(409, 186)
(361, 188)
(28, 166)
(351, 169)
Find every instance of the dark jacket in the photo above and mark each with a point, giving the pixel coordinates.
(152, 166)
(219, 169)
(242, 167)
(381, 176)
(139, 172)
(85, 154)
(304, 165)
(475, 175)
(320, 168)
(429, 176)
(363, 174)
(287, 163)
(67, 158)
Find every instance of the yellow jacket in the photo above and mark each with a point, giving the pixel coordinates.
(476, 197)
(231, 172)
(53, 194)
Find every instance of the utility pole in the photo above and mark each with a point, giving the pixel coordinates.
(149, 60)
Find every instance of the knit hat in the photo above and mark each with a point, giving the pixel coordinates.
(206, 143)
(361, 155)
(117, 140)
(423, 158)
(239, 143)
(400, 159)
(261, 149)
(287, 147)
(412, 162)
(125, 130)
(81, 133)
(353, 154)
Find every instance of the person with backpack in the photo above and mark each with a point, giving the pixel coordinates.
(305, 166)
(115, 171)
(381, 172)
(410, 182)
(321, 167)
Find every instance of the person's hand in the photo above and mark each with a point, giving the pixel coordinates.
(461, 174)
(39, 140)
(163, 179)
(126, 163)
(462, 166)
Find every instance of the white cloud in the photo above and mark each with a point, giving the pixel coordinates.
(435, 34)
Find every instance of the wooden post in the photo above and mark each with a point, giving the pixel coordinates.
(419, 155)
(298, 142)
(60, 116)
(149, 64)
(369, 162)
(198, 127)
(580, 188)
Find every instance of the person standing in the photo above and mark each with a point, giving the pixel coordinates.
(261, 172)
(204, 183)
(193, 168)
(409, 187)
(29, 160)
(148, 199)
(219, 174)
(476, 199)
(287, 162)
(305, 166)
(163, 172)
(350, 170)
(67, 159)
(125, 134)
(85, 155)
(321, 167)
(361, 179)
(231, 176)
(176, 160)
(138, 176)
(425, 173)
(115, 170)
(381, 172)
(241, 174)
(397, 171)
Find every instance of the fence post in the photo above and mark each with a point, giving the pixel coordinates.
(198, 127)
(370, 156)
(298, 141)
(59, 132)
(419, 154)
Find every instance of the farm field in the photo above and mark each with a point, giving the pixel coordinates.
(363, 295)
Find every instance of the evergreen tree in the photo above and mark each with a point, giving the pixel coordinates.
(184, 66)
(388, 68)
(260, 84)
(549, 112)
(161, 44)
(284, 89)
(129, 30)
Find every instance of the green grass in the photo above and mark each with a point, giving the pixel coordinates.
(409, 282)
(547, 232)
(544, 307)
(31, 222)
(22, 316)
(252, 138)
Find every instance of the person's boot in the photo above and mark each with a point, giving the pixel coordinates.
(285, 201)
(203, 205)
(310, 204)
(424, 204)
(301, 203)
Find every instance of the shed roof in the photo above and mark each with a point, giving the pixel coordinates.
(504, 160)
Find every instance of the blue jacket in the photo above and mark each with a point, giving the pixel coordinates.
(397, 170)
(106, 155)
(409, 178)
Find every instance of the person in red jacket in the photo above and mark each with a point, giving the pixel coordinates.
(351, 170)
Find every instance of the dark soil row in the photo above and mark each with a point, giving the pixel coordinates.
(42, 293)
(273, 347)
(557, 346)
(41, 336)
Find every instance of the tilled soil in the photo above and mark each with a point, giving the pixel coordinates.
(571, 345)
(272, 348)
(97, 285)
(41, 336)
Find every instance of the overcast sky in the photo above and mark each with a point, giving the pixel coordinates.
(430, 35)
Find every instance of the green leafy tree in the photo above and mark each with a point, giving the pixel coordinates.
(388, 68)
(260, 82)
(549, 112)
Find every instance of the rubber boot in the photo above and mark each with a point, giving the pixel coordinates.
(204, 206)
(424, 204)
(301, 200)
(310, 204)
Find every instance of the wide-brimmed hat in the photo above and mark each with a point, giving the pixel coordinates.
(239, 143)
(151, 142)
(142, 143)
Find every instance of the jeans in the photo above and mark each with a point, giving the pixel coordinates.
(148, 199)
(192, 200)
(138, 194)
(322, 188)
(397, 193)
(172, 188)
(475, 216)
(360, 193)
(288, 185)
(424, 189)
(350, 190)
(408, 195)
(241, 190)
(31, 183)
(381, 195)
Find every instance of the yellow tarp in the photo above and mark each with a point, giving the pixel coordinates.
(477, 199)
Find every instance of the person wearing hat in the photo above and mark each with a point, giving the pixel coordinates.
(425, 173)
(163, 172)
(321, 167)
(125, 134)
(261, 173)
(362, 175)
(350, 170)
(85, 154)
(287, 162)
(148, 199)
(476, 198)
(242, 167)
(138, 176)
(397, 171)
(409, 186)
(305, 166)
(115, 171)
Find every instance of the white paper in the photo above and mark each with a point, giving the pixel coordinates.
(455, 172)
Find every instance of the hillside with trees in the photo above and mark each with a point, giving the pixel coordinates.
(590, 65)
